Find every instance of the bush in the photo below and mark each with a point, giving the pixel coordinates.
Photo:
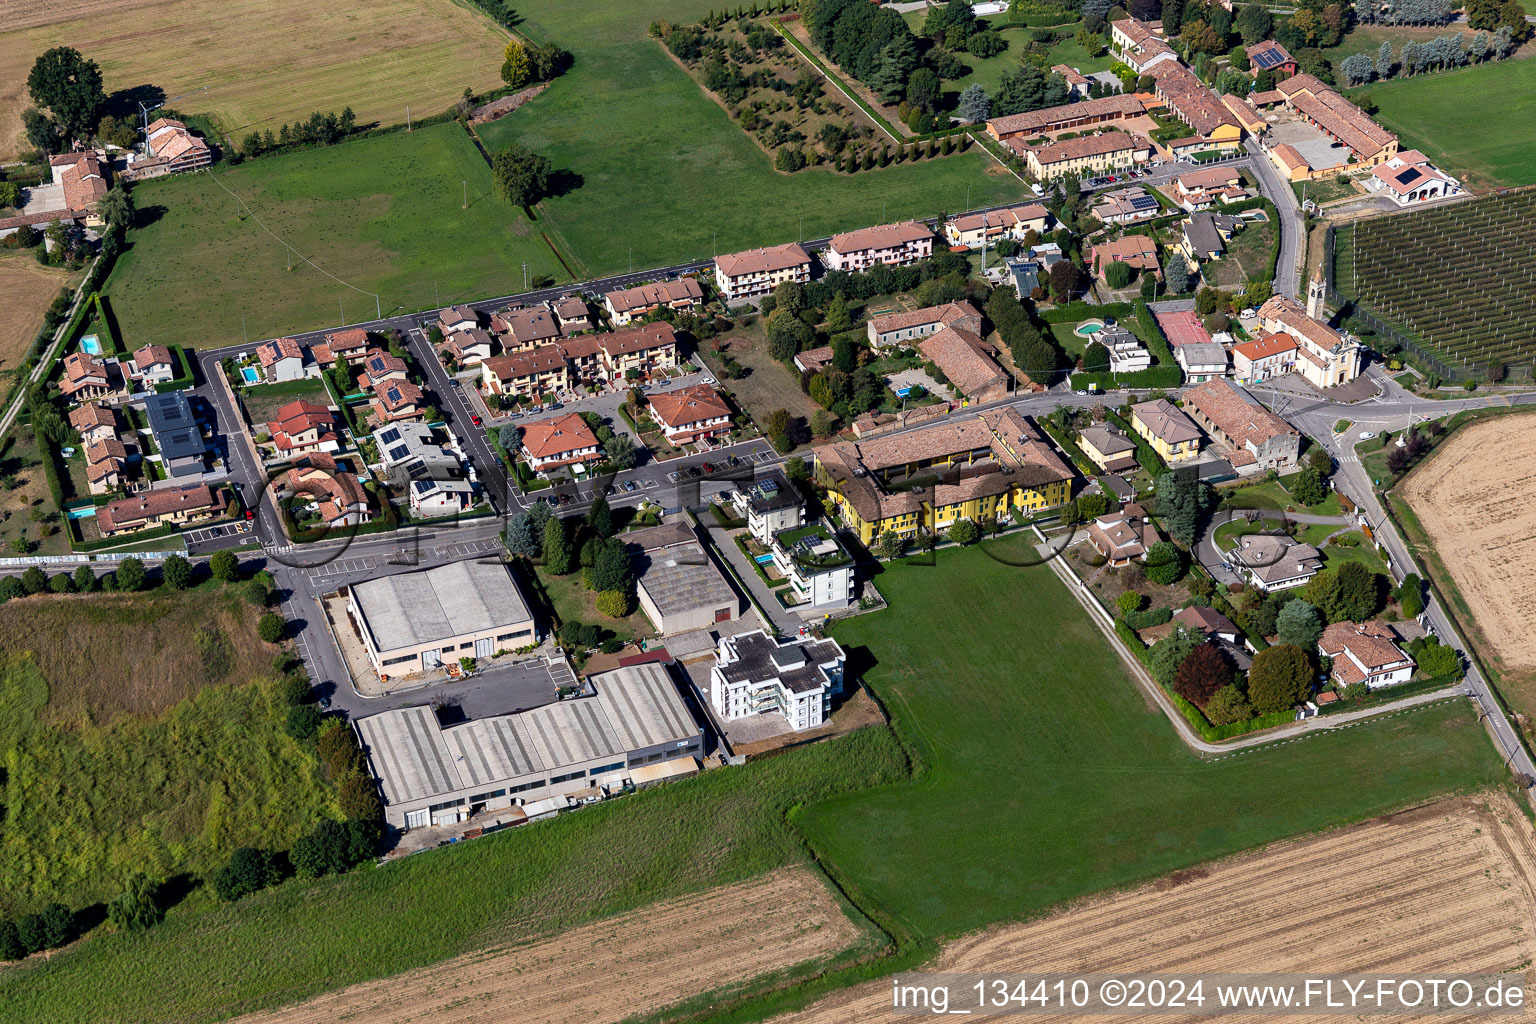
(1279, 679)
(1228, 705)
(1129, 602)
(1164, 563)
(271, 627)
(136, 910)
(613, 603)
(1149, 617)
(225, 566)
(303, 721)
(10, 941)
(331, 848)
(249, 870)
(131, 575)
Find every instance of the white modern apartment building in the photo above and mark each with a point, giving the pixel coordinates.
(769, 504)
(755, 674)
(819, 570)
(743, 275)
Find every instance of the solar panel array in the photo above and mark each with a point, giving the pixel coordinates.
(1143, 202)
(1267, 59)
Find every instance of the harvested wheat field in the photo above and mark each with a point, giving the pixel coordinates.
(626, 966)
(1472, 497)
(1450, 886)
(264, 61)
(28, 287)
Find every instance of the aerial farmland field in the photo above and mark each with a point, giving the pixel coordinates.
(262, 62)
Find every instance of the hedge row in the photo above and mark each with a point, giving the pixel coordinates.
(116, 343)
(1166, 377)
(1141, 619)
(183, 379)
(1153, 335)
(1082, 311)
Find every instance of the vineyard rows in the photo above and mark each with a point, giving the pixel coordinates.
(1462, 277)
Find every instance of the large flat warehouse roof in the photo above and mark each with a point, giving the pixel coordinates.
(412, 609)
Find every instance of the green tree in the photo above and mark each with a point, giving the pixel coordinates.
(1169, 653)
(69, 87)
(1437, 659)
(1359, 592)
(557, 547)
(1280, 678)
(116, 207)
(620, 452)
(1308, 488)
(34, 580)
(787, 334)
(1319, 462)
(131, 574)
(176, 571)
(1253, 23)
(85, 579)
(61, 584)
(838, 317)
(612, 603)
(10, 941)
(323, 851)
(521, 175)
(1176, 275)
(271, 627)
(1096, 357)
(612, 569)
(303, 721)
(224, 566)
(1117, 274)
(1181, 500)
(1128, 602)
(516, 69)
(359, 798)
(890, 544)
(600, 518)
(923, 89)
(136, 910)
(1164, 564)
(964, 531)
(43, 134)
(57, 924)
(1203, 673)
(1228, 705)
(1299, 625)
(975, 105)
(1410, 594)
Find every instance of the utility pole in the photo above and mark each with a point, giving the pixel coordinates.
(525, 275)
(342, 306)
(378, 308)
(407, 117)
(465, 183)
(435, 299)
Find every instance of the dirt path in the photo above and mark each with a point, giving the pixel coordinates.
(604, 972)
(1472, 497)
(1446, 887)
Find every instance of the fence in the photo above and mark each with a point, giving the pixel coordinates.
(81, 556)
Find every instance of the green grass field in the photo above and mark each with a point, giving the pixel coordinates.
(988, 72)
(209, 961)
(666, 176)
(1051, 777)
(1430, 112)
(384, 214)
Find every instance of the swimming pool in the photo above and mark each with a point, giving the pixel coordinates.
(250, 374)
(763, 559)
(1088, 328)
(91, 345)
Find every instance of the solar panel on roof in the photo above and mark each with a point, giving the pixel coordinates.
(1143, 203)
(1266, 59)
(1409, 175)
(394, 394)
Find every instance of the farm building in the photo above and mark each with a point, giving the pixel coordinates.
(678, 585)
(634, 724)
(414, 621)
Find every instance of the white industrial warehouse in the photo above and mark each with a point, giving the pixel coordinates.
(633, 730)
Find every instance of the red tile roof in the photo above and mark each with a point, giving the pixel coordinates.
(693, 404)
(640, 338)
(762, 261)
(684, 289)
(270, 352)
(883, 236)
(160, 501)
(543, 439)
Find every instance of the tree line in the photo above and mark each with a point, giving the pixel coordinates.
(319, 130)
(1453, 50)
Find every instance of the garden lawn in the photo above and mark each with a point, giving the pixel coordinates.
(1051, 777)
(666, 176)
(384, 214)
(573, 602)
(1335, 555)
(263, 400)
(1430, 113)
(209, 962)
(1274, 496)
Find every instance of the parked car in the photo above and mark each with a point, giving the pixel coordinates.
(474, 419)
(515, 416)
(629, 486)
(456, 382)
(1081, 393)
(554, 405)
(706, 380)
(1366, 435)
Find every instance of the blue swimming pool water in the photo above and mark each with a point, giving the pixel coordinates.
(250, 374)
(91, 344)
(763, 559)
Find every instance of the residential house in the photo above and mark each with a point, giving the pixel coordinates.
(1217, 630)
(539, 372)
(338, 494)
(974, 230)
(745, 275)
(468, 347)
(924, 480)
(769, 503)
(1170, 433)
(814, 360)
(891, 244)
(1126, 352)
(160, 506)
(396, 400)
(183, 452)
(1273, 561)
(458, 318)
(571, 314)
(1323, 355)
(966, 361)
(640, 350)
(302, 426)
(1268, 355)
(1123, 537)
(1409, 178)
(1126, 206)
(281, 359)
(1235, 418)
(1201, 361)
(902, 328)
(411, 451)
(1139, 44)
(1205, 235)
(1078, 86)
(380, 368)
(1184, 94)
(818, 567)
(153, 364)
(1365, 652)
(755, 674)
(170, 148)
(584, 357)
(350, 344)
(1107, 448)
(82, 175)
(1067, 117)
(433, 498)
(1202, 189)
(1032, 270)
(1089, 156)
(563, 440)
(694, 413)
(1270, 56)
(93, 422)
(85, 378)
(1136, 251)
(105, 462)
(682, 295)
(1322, 107)
(523, 330)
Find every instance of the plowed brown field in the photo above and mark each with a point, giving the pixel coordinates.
(632, 964)
(1446, 887)
(1473, 498)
